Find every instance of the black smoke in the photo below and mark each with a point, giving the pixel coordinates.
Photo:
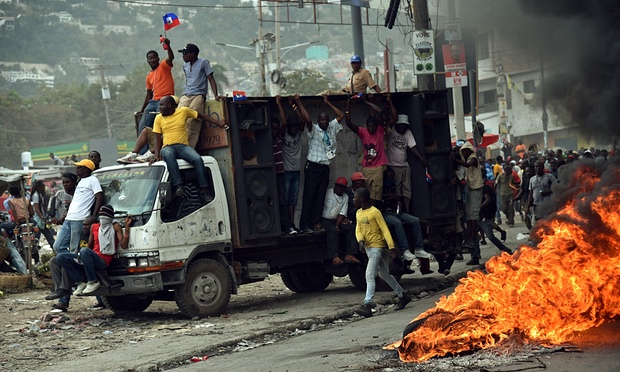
(579, 44)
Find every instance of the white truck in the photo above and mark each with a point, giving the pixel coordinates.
(197, 253)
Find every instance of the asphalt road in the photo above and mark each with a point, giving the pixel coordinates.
(319, 332)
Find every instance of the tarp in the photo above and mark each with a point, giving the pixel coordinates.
(487, 139)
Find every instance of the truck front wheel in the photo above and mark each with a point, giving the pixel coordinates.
(206, 290)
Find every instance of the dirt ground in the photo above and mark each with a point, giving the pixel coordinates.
(33, 336)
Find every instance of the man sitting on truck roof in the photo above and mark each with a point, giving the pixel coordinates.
(170, 125)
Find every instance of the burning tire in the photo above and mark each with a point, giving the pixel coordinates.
(127, 303)
(206, 290)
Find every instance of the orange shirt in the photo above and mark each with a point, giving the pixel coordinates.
(160, 81)
(520, 149)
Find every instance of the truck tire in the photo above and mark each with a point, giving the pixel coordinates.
(206, 290)
(306, 280)
(357, 275)
(127, 303)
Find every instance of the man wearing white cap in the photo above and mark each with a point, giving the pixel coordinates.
(399, 141)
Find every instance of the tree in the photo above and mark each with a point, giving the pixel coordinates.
(308, 82)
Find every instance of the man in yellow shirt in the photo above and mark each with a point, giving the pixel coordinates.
(170, 126)
(373, 235)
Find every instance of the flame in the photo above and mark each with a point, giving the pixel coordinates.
(547, 294)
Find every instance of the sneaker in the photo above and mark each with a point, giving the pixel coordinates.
(351, 259)
(408, 255)
(91, 287)
(421, 253)
(146, 157)
(364, 310)
(80, 289)
(292, 231)
(179, 191)
(402, 302)
(472, 262)
(129, 158)
(458, 257)
(307, 231)
(483, 242)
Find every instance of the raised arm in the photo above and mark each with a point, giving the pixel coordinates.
(302, 112)
(170, 52)
(339, 114)
(347, 116)
(282, 113)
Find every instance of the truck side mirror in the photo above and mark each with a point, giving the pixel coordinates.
(165, 192)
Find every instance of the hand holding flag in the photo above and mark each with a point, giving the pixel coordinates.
(170, 20)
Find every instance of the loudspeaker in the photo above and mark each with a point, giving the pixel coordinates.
(442, 191)
(256, 188)
(261, 200)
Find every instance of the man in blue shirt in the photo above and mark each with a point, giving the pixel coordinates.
(197, 72)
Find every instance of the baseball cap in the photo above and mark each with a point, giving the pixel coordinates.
(190, 48)
(106, 211)
(358, 176)
(356, 58)
(86, 163)
(342, 181)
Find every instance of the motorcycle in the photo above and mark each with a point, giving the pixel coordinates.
(25, 236)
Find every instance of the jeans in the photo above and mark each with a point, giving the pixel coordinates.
(74, 270)
(171, 153)
(396, 223)
(68, 237)
(285, 224)
(92, 263)
(49, 235)
(486, 226)
(378, 263)
(16, 259)
(291, 187)
(147, 120)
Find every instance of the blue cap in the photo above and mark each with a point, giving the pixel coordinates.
(356, 58)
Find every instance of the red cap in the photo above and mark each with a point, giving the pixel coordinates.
(342, 181)
(358, 176)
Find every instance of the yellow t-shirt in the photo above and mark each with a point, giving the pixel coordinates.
(497, 169)
(173, 128)
(372, 229)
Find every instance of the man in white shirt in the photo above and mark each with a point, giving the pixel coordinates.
(87, 193)
(334, 219)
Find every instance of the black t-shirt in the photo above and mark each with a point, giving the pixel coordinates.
(488, 211)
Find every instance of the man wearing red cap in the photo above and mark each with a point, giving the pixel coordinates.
(334, 219)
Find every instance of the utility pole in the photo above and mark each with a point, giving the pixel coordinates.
(105, 95)
(422, 22)
(356, 29)
(278, 50)
(457, 91)
(545, 116)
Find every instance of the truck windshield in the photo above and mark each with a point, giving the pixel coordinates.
(132, 190)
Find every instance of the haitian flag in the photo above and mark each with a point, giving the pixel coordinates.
(171, 20)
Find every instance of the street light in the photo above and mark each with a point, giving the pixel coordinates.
(262, 47)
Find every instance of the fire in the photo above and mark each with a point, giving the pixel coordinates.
(544, 295)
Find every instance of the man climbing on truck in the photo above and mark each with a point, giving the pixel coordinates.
(171, 142)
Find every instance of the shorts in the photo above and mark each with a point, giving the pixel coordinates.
(472, 206)
(402, 176)
(194, 126)
(374, 184)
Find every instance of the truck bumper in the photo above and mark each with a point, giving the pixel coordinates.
(140, 283)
